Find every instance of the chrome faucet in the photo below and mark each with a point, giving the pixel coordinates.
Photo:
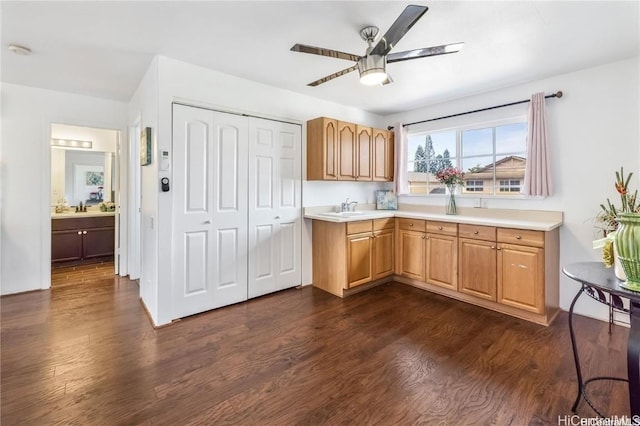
(348, 206)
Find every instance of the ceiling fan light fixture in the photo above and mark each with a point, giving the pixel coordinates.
(372, 70)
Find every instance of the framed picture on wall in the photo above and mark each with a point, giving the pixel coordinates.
(145, 146)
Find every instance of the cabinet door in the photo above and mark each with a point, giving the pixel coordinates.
(364, 153)
(322, 155)
(477, 268)
(329, 149)
(412, 252)
(521, 277)
(382, 155)
(359, 259)
(383, 253)
(66, 245)
(97, 242)
(346, 143)
(442, 261)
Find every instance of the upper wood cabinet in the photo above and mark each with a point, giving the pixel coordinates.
(322, 149)
(383, 158)
(364, 153)
(338, 150)
(347, 149)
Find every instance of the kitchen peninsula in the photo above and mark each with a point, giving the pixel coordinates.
(504, 260)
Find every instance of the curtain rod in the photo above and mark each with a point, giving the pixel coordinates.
(558, 94)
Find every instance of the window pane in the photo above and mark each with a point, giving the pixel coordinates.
(492, 158)
(512, 139)
(477, 142)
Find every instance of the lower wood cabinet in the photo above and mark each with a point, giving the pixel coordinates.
(82, 239)
(513, 271)
(521, 270)
(347, 255)
(477, 249)
(441, 262)
(411, 248)
(359, 259)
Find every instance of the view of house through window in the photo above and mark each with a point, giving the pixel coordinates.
(492, 158)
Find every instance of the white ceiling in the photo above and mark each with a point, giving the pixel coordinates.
(103, 48)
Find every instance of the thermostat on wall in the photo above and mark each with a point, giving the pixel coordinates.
(165, 163)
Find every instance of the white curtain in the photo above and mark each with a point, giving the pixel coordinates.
(401, 185)
(537, 176)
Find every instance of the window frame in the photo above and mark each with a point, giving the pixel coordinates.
(460, 129)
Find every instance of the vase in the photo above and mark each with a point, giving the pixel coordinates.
(451, 203)
(617, 266)
(627, 244)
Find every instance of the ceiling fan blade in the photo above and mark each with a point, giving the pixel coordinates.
(332, 76)
(324, 52)
(399, 28)
(423, 53)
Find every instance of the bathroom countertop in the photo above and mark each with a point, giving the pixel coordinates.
(73, 214)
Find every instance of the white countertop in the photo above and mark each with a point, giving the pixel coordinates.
(537, 220)
(73, 214)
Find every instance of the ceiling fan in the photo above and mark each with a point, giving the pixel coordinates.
(372, 66)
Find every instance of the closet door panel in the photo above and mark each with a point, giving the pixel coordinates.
(274, 194)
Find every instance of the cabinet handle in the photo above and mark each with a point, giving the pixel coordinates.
(518, 237)
(79, 232)
(427, 238)
(411, 224)
(207, 222)
(493, 247)
(277, 217)
(475, 232)
(499, 248)
(84, 232)
(439, 228)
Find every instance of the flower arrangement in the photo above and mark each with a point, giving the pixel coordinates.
(450, 176)
(607, 218)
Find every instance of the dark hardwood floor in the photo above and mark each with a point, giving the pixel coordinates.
(86, 354)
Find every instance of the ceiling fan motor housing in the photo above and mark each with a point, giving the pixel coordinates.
(372, 69)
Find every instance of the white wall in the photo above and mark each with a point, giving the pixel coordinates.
(593, 129)
(143, 107)
(25, 225)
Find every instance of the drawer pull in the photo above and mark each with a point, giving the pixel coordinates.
(439, 228)
(79, 232)
(493, 247)
(518, 237)
(411, 224)
(475, 232)
(84, 232)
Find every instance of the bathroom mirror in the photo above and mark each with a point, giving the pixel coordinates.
(81, 176)
(82, 164)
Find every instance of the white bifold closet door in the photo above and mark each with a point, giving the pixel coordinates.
(209, 210)
(236, 208)
(274, 206)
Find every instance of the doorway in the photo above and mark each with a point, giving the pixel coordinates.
(84, 202)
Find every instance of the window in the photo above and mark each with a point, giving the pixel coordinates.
(511, 185)
(474, 185)
(493, 158)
